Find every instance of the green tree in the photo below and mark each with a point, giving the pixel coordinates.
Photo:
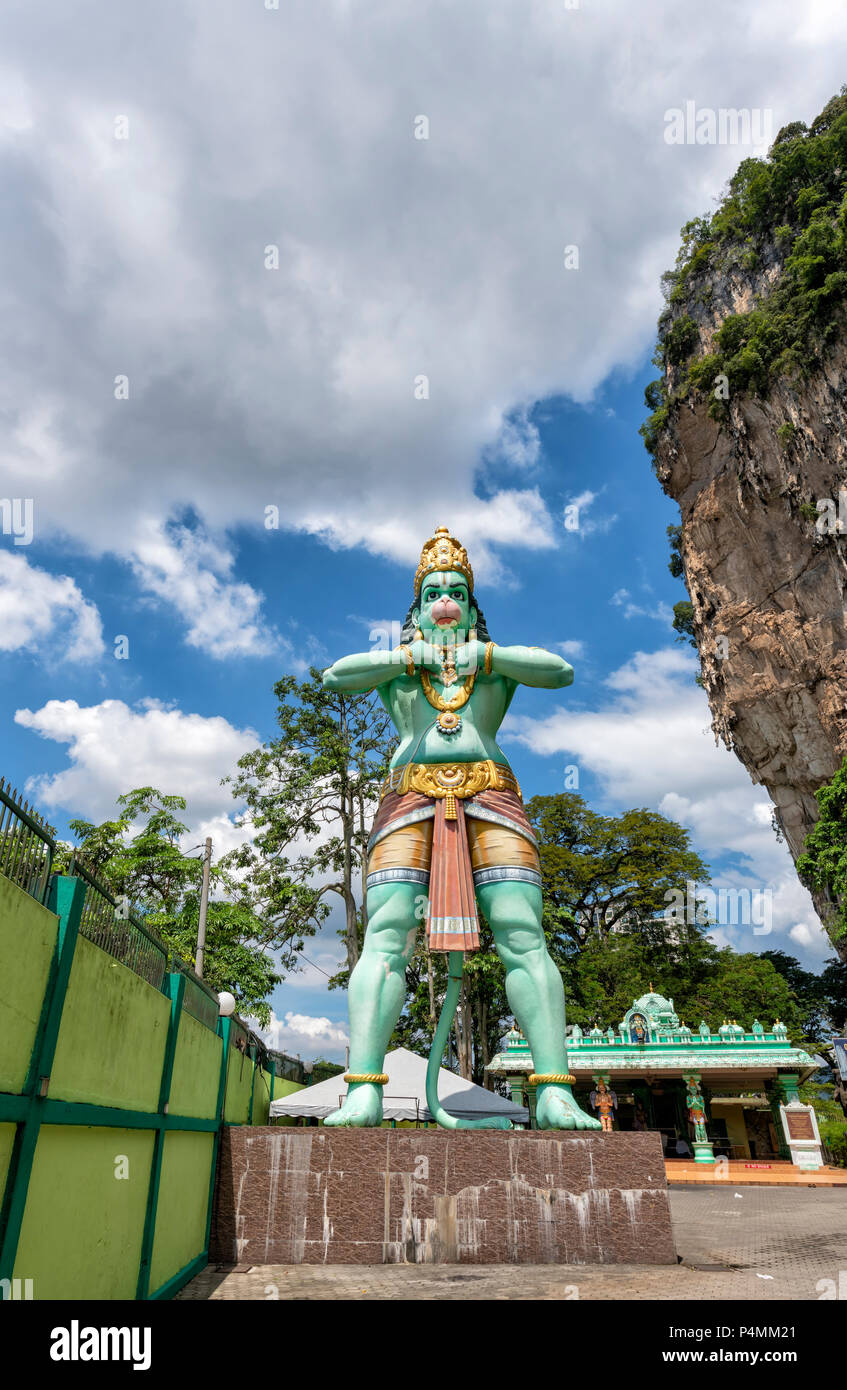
(602, 872)
(148, 866)
(602, 876)
(823, 863)
(821, 999)
(311, 794)
(705, 981)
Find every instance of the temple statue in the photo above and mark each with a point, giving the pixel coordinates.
(696, 1108)
(450, 833)
(606, 1101)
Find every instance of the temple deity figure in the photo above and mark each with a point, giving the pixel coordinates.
(696, 1108)
(450, 837)
(606, 1103)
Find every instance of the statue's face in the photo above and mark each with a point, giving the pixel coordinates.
(444, 610)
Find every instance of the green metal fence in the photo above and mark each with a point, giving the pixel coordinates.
(199, 999)
(118, 930)
(27, 844)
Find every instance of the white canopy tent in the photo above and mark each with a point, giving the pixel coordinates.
(404, 1098)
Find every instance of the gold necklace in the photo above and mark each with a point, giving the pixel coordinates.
(448, 720)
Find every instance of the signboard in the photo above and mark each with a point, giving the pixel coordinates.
(758, 1165)
(799, 1125)
(840, 1048)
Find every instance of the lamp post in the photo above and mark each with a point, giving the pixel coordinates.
(204, 906)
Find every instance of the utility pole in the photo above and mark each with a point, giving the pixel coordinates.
(204, 904)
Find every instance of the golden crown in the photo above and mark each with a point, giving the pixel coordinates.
(443, 552)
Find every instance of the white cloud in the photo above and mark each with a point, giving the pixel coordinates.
(306, 1036)
(113, 748)
(398, 257)
(518, 442)
(192, 572)
(578, 523)
(574, 648)
(46, 613)
(651, 745)
(622, 598)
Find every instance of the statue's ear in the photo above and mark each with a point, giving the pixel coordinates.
(416, 615)
(473, 617)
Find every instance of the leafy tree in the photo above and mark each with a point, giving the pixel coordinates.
(823, 863)
(600, 872)
(821, 999)
(311, 794)
(602, 875)
(149, 867)
(705, 981)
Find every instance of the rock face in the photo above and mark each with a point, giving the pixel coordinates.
(767, 588)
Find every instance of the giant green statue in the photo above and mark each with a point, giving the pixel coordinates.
(451, 830)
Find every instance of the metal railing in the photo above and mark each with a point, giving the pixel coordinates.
(199, 1000)
(123, 935)
(27, 844)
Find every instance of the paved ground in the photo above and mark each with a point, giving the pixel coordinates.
(750, 1243)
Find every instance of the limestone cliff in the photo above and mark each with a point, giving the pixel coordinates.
(749, 435)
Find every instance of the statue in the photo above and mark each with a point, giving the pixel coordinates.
(696, 1108)
(451, 831)
(606, 1102)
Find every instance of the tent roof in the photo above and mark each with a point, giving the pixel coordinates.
(404, 1098)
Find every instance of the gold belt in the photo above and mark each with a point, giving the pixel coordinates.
(450, 779)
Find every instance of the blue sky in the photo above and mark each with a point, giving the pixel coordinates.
(226, 261)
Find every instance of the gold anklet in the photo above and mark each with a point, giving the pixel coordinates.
(376, 1078)
(552, 1078)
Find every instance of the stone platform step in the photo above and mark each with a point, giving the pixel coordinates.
(753, 1173)
(392, 1196)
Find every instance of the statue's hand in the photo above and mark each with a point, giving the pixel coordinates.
(426, 656)
(470, 658)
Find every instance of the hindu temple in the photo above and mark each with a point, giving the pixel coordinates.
(653, 1064)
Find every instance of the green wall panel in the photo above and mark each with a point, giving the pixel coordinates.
(112, 1039)
(239, 1078)
(7, 1139)
(27, 941)
(183, 1203)
(197, 1069)
(286, 1088)
(261, 1097)
(81, 1233)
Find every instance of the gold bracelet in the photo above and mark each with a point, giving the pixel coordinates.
(410, 660)
(552, 1078)
(489, 653)
(376, 1078)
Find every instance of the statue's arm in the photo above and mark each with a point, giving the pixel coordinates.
(532, 666)
(364, 671)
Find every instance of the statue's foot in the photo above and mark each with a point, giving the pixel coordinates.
(362, 1107)
(557, 1109)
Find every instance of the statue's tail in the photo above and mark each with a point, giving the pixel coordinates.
(455, 962)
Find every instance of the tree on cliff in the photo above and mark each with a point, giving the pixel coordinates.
(823, 865)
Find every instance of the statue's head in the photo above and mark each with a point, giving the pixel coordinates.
(444, 607)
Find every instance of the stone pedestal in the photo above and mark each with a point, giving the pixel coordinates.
(385, 1196)
(703, 1151)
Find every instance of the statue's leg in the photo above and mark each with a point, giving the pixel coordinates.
(535, 992)
(376, 994)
